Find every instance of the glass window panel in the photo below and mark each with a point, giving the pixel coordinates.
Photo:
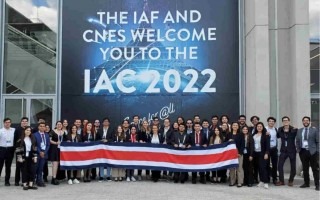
(30, 47)
(41, 108)
(15, 109)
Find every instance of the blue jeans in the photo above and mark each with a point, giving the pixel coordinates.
(41, 162)
(101, 171)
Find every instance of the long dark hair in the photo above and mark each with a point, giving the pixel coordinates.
(213, 137)
(264, 130)
(23, 135)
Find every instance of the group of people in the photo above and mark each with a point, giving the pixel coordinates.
(257, 146)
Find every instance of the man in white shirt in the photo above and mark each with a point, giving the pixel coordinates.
(6, 148)
(273, 152)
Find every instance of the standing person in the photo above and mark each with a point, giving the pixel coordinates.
(273, 152)
(144, 136)
(7, 148)
(65, 126)
(216, 138)
(307, 143)
(287, 134)
(189, 126)
(26, 150)
(208, 133)
(73, 137)
(224, 132)
(254, 120)
(236, 174)
(106, 135)
(133, 138)
(46, 167)
(180, 140)
(77, 122)
(156, 138)
(261, 154)
(136, 122)
(180, 120)
(214, 122)
(43, 145)
(17, 134)
(126, 127)
(196, 119)
(56, 137)
(247, 156)
(167, 133)
(197, 138)
(89, 135)
(119, 136)
(166, 130)
(156, 121)
(242, 121)
(224, 119)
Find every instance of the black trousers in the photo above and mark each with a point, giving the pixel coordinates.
(260, 167)
(155, 175)
(28, 168)
(194, 176)
(310, 160)
(140, 172)
(180, 176)
(6, 157)
(18, 173)
(247, 170)
(282, 159)
(273, 158)
(45, 170)
(74, 173)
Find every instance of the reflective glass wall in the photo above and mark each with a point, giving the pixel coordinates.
(29, 61)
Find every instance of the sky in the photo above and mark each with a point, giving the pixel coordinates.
(46, 11)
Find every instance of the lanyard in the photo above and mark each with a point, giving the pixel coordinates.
(184, 138)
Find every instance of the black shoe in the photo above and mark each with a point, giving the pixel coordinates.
(232, 185)
(176, 181)
(45, 180)
(317, 187)
(100, 179)
(32, 187)
(203, 181)
(249, 185)
(194, 182)
(25, 187)
(54, 181)
(182, 182)
(7, 184)
(41, 185)
(304, 186)
(16, 184)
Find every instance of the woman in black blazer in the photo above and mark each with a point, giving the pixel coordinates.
(261, 154)
(236, 174)
(27, 155)
(156, 138)
(247, 156)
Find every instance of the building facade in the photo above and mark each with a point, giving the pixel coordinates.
(275, 74)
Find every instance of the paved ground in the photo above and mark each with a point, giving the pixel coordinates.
(162, 190)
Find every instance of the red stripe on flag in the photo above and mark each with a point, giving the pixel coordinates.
(149, 156)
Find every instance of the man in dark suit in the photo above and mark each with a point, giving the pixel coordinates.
(106, 134)
(197, 138)
(287, 134)
(43, 145)
(208, 133)
(307, 143)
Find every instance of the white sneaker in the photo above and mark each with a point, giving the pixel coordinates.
(266, 185)
(260, 184)
(70, 182)
(133, 179)
(75, 181)
(128, 179)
